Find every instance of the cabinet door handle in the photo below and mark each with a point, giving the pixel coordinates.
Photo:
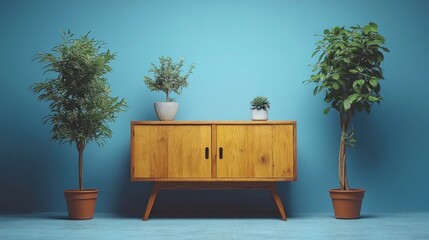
(207, 152)
(220, 153)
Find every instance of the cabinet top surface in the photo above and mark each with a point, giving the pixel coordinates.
(217, 122)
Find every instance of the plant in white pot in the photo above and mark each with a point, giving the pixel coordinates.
(348, 72)
(81, 106)
(168, 78)
(259, 106)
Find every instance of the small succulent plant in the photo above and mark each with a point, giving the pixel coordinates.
(259, 103)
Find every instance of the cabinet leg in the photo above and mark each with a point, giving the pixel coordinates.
(151, 201)
(278, 201)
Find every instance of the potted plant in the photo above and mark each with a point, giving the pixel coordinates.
(167, 78)
(259, 106)
(348, 72)
(80, 103)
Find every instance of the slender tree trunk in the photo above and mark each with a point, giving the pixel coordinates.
(80, 148)
(167, 96)
(345, 118)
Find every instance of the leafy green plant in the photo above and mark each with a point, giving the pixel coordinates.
(259, 103)
(168, 77)
(78, 95)
(348, 72)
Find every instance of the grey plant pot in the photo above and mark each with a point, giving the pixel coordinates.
(166, 111)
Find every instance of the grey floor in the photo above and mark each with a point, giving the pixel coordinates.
(308, 226)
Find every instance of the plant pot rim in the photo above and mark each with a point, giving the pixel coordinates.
(89, 190)
(337, 190)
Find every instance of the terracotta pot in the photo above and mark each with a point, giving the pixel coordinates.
(81, 204)
(347, 203)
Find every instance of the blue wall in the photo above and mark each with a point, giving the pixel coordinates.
(241, 49)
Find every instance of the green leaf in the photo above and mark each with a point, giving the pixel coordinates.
(335, 86)
(346, 105)
(353, 71)
(336, 76)
(357, 85)
(328, 98)
(321, 56)
(326, 110)
(366, 29)
(373, 27)
(385, 49)
(373, 99)
(314, 53)
(373, 82)
(316, 90)
(346, 60)
(326, 31)
(352, 98)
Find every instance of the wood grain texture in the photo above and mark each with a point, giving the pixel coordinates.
(165, 151)
(211, 179)
(243, 122)
(213, 151)
(186, 151)
(253, 151)
(260, 151)
(278, 201)
(151, 201)
(149, 156)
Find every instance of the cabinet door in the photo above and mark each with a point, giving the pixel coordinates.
(171, 151)
(252, 151)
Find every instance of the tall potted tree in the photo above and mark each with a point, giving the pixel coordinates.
(348, 72)
(168, 78)
(80, 103)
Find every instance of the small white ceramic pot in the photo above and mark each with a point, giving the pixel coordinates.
(259, 115)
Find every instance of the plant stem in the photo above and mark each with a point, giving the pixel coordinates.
(345, 118)
(80, 147)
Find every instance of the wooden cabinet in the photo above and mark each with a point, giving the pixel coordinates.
(213, 155)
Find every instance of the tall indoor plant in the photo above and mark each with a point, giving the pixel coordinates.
(168, 78)
(348, 72)
(81, 106)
